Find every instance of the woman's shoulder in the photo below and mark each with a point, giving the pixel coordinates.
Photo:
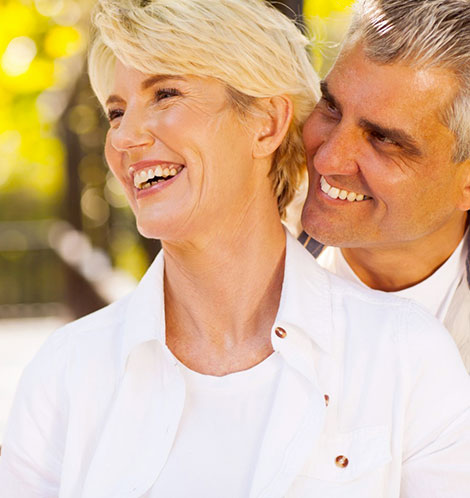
(93, 335)
(99, 323)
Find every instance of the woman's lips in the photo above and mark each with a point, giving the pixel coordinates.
(151, 187)
(147, 177)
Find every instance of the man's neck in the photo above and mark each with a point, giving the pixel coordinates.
(401, 266)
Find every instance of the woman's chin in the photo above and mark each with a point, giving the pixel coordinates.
(154, 228)
(169, 229)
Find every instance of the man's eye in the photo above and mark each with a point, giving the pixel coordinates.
(165, 93)
(114, 114)
(328, 105)
(379, 137)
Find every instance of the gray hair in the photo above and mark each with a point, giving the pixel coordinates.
(425, 33)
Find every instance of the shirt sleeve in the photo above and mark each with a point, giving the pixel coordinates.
(33, 445)
(436, 459)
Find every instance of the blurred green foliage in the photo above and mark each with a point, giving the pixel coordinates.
(37, 40)
(52, 131)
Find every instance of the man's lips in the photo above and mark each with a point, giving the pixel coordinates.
(342, 194)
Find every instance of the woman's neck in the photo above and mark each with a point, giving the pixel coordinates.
(222, 296)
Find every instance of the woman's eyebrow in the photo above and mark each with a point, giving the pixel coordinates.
(149, 82)
(145, 85)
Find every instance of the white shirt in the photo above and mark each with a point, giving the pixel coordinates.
(98, 410)
(221, 429)
(434, 293)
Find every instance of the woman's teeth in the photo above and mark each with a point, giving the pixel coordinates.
(336, 193)
(145, 178)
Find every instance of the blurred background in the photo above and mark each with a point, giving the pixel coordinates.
(68, 243)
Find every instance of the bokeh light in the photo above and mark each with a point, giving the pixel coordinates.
(18, 56)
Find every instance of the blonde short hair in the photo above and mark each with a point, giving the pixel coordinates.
(247, 44)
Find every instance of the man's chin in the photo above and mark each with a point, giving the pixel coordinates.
(326, 234)
(316, 227)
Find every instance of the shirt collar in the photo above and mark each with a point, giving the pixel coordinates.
(305, 302)
(306, 295)
(145, 314)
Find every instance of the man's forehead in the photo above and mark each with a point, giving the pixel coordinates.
(393, 88)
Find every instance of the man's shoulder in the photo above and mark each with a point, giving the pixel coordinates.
(376, 308)
(378, 311)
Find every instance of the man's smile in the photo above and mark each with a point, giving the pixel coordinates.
(344, 195)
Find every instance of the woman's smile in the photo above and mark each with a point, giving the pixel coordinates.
(148, 177)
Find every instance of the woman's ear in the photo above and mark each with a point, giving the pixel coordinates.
(273, 122)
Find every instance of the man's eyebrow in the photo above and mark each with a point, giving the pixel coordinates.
(153, 80)
(400, 136)
(405, 140)
(145, 85)
(326, 94)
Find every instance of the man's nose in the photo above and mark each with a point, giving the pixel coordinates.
(132, 132)
(338, 153)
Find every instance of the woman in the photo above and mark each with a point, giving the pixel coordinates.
(238, 368)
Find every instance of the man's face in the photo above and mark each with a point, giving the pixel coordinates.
(379, 156)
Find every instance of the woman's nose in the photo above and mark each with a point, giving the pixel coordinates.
(338, 154)
(131, 133)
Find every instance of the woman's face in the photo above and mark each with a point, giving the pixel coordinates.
(181, 153)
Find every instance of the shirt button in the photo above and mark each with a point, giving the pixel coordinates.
(280, 332)
(341, 461)
(327, 400)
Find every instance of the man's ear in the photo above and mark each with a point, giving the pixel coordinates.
(272, 126)
(464, 202)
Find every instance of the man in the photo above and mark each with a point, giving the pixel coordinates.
(388, 149)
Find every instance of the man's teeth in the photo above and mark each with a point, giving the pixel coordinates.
(336, 193)
(145, 178)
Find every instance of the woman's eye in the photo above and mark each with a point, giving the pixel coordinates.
(165, 93)
(114, 114)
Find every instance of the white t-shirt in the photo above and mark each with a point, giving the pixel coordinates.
(216, 447)
(435, 293)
